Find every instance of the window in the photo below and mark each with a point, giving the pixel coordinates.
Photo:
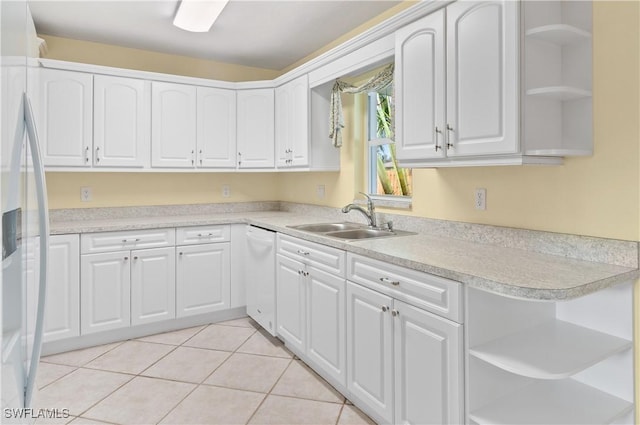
(386, 179)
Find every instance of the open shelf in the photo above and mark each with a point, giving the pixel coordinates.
(560, 34)
(553, 350)
(560, 92)
(554, 402)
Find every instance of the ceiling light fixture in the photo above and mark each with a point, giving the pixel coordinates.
(198, 15)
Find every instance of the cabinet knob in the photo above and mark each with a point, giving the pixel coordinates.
(181, 254)
(126, 258)
(395, 313)
(135, 258)
(385, 308)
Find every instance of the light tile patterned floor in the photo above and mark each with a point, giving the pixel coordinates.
(225, 373)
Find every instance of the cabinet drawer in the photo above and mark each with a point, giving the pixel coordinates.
(116, 241)
(438, 295)
(202, 234)
(326, 258)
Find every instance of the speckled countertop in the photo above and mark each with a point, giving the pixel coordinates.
(505, 270)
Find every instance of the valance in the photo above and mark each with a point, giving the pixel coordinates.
(336, 119)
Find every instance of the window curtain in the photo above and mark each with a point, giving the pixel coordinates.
(336, 119)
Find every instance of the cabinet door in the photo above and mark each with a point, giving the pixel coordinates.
(121, 114)
(202, 279)
(216, 135)
(291, 295)
(256, 139)
(420, 89)
(292, 123)
(64, 112)
(428, 367)
(153, 285)
(105, 295)
(173, 125)
(327, 323)
(370, 349)
(283, 125)
(482, 78)
(62, 313)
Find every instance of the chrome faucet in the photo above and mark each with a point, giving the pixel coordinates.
(370, 212)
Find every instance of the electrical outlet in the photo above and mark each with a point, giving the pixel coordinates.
(481, 199)
(86, 194)
(226, 191)
(320, 191)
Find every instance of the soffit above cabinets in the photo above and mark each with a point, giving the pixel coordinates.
(264, 34)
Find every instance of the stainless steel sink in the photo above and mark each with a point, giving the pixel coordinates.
(357, 234)
(349, 231)
(327, 227)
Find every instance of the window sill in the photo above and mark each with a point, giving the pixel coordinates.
(396, 202)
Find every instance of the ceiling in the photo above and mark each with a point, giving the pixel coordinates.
(271, 34)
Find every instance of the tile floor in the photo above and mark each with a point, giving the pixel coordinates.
(224, 373)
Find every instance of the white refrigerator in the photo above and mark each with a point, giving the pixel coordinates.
(24, 228)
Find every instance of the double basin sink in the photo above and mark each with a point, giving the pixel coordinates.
(349, 231)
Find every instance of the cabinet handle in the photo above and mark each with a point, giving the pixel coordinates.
(395, 313)
(193, 158)
(449, 131)
(435, 138)
(181, 254)
(86, 154)
(200, 156)
(239, 158)
(98, 154)
(301, 252)
(387, 280)
(135, 258)
(126, 258)
(385, 308)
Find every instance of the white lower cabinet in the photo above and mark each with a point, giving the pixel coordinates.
(106, 290)
(62, 313)
(153, 285)
(290, 300)
(403, 363)
(370, 349)
(202, 278)
(310, 300)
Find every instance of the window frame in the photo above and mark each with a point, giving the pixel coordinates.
(393, 201)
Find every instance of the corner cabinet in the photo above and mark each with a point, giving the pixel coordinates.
(256, 138)
(460, 78)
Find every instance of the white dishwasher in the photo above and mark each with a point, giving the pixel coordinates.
(260, 275)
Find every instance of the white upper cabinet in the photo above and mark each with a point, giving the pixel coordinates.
(256, 128)
(216, 128)
(64, 114)
(420, 89)
(482, 78)
(479, 89)
(121, 114)
(292, 123)
(173, 125)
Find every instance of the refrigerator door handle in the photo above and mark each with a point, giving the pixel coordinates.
(43, 219)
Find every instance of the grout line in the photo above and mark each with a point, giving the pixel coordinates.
(60, 377)
(340, 413)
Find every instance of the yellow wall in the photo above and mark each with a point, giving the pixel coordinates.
(127, 189)
(142, 60)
